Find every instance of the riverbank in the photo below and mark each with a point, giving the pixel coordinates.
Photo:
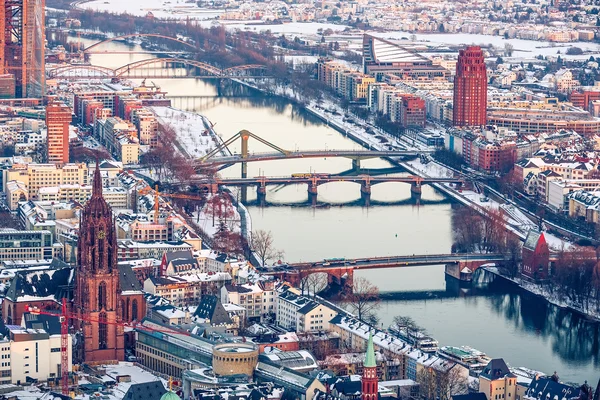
(516, 221)
(593, 312)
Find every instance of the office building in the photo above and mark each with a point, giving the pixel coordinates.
(470, 88)
(58, 119)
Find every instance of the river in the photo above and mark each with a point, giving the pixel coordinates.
(495, 318)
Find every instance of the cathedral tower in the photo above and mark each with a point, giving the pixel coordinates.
(97, 294)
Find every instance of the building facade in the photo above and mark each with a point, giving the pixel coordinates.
(97, 293)
(470, 88)
(58, 119)
(22, 45)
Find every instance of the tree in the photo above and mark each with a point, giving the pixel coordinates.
(316, 283)
(261, 243)
(364, 299)
(508, 49)
(404, 322)
(7, 220)
(442, 385)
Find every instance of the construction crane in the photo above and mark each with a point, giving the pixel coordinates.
(146, 190)
(64, 318)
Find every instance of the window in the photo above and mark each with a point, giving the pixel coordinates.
(102, 295)
(102, 332)
(134, 310)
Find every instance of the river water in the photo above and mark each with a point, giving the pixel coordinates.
(494, 318)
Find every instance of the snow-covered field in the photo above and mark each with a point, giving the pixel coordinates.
(160, 8)
(192, 134)
(522, 48)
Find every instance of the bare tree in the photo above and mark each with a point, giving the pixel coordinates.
(442, 385)
(7, 220)
(262, 244)
(364, 299)
(403, 322)
(508, 49)
(316, 283)
(452, 382)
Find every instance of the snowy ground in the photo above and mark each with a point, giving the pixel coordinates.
(160, 8)
(192, 134)
(210, 225)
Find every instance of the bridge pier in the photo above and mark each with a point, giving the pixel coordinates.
(261, 196)
(415, 190)
(312, 193)
(365, 192)
(356, 164)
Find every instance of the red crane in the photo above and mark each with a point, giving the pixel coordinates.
(64, 317)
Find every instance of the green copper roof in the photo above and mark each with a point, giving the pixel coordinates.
(370, 356)
(170, 396)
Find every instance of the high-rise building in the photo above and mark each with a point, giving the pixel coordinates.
(22, 45)
(369, 381)
(98, 293)
(58, 119)
(470, 88)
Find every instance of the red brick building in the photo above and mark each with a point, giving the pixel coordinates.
(497, 157)
(583, 99)
(413, 111)
(536, 256)
(470, 88)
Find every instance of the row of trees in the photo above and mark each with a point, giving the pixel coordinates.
(576, 276)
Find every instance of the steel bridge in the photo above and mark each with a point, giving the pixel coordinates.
(212, 161)
(157, 68)
(89, 49)
(341, 271)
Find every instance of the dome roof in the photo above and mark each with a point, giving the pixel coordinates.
(170, 396)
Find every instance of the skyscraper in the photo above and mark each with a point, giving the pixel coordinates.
(58, 118)
(22, 45)
(470, 88)
(97, 292)
(369, 380)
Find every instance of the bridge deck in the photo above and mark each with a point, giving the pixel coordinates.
(354, 154)
(396, 261)
(326, 179)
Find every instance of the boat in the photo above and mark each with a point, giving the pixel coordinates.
(418, 339)
(469, 357)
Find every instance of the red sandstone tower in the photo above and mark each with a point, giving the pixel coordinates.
(98, 294)
(58, 119)
(470, 88)
(369, 381)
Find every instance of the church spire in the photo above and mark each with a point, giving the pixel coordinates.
(369, 381)
(370, 356)
(97, 188)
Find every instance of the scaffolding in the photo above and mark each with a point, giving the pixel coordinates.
(22, 45)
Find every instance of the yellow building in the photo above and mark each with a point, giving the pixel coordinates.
(36, 176)
(498, 383)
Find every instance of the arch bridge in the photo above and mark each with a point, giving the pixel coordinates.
(91, 48)
(158, 68)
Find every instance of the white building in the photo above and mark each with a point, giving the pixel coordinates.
(32, 353)
(301, 314)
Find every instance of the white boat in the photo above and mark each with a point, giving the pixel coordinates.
(416, 338)
(469, 357)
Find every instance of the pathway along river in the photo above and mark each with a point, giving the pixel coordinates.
(495, 318)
